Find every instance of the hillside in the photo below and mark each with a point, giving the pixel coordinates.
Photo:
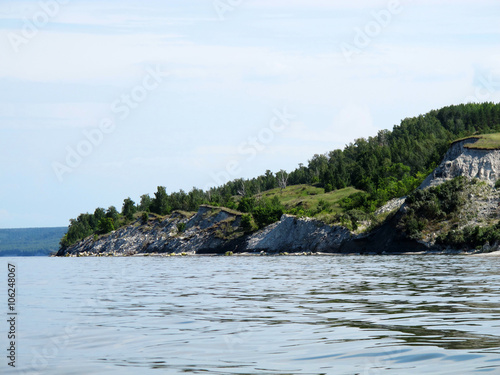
(310, 198)
(342, 187)
(30, 241)
(456, 208)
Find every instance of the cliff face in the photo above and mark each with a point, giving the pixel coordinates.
(479, 207)
(213, 230)
(471, 163)
(293, 234)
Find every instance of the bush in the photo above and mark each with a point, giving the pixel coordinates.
(355, 201)
(247, 204)
(351, 218)
(181, 227)
(471, 236)
(267, 212)
(323, 206)
(247, 223)
(436, 203)
(106, 225)
(145, 217)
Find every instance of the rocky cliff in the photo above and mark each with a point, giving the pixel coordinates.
(212, 230)
(473, 225)
(461, 160)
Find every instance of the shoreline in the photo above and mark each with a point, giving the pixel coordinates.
(284, 254)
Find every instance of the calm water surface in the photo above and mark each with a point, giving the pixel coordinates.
(256, 315)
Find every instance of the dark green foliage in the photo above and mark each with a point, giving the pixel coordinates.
(106, 225)
(247, 223)
(181, 227)
(360, 199)
(99, 213)
(323, 206)
(128, 209)
(112, 213)
(393, 163)
(145, 217)
(351, 219)
(471, 236)
(433, 204)
(388, 165)
(267, 212)
(497, 184)
(247, 204)
(83, 226)
(145, 204)
(160, 204)
(440, 201)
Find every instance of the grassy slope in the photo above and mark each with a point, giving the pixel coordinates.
(308, 197)
(485, 142)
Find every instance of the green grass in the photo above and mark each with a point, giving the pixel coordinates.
(484, 141)
(308, 197)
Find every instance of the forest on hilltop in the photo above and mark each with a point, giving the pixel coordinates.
(389, 165)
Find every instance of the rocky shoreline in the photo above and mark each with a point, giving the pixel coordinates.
(213, 230)
(219, 231)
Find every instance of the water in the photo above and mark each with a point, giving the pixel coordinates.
(256, 315)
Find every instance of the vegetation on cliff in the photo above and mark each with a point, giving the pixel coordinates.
(389, 165)
(484, 142)
(460, 214)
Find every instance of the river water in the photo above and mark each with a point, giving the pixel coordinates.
(255, 315)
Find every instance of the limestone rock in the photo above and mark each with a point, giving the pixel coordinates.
(462, 161)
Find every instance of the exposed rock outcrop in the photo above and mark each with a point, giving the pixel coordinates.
(213, 230)
(293, 234)
(463, 161)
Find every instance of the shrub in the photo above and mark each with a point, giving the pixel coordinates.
(436, 203)
(247, 223)
(247, 204)
(323, 206)
(267, 212)
(181, 227)
(106, 225)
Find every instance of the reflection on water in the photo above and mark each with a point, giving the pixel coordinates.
(260, 315)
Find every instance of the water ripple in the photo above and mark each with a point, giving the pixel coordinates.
(261, 315)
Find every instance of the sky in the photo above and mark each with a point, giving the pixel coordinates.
(104, 100)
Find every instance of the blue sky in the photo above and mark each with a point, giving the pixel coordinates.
(174, 93)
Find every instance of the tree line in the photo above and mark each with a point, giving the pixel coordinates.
(388, 165)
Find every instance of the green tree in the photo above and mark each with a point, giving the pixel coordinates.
(247, 204)
(128, 209)
(247, 223)
(160, 204)
(145, 203)
(106, 225)
(112, 213)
